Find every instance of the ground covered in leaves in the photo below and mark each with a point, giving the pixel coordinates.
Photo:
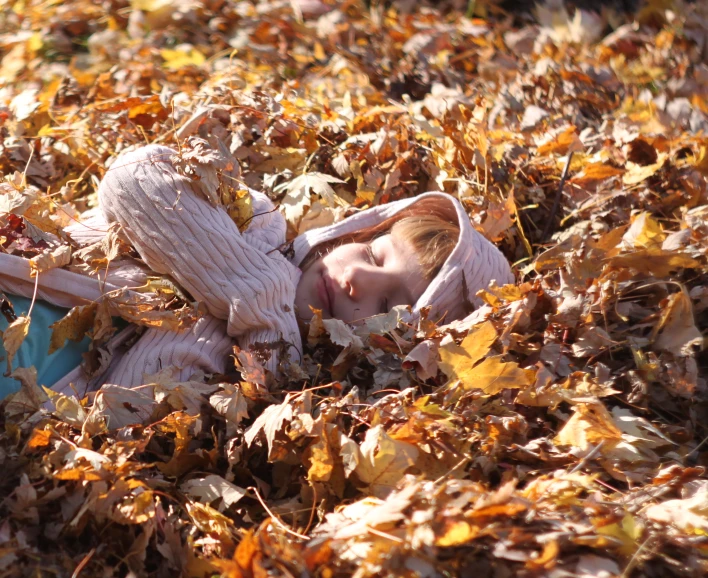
(558, 431)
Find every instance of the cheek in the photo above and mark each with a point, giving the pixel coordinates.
(305, 290)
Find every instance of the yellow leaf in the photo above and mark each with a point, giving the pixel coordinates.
(456, 360)
(493, 375)
(563, 143)
(547, 559)
(39, 439)
(136, 503)
(321, 460)
(384, 461)
(210, 521)
(149, 106)
(238, 205)
(637, 173)
(151, 5)
(176, 59)
(590, 425)
(36, 42)
(596, 172)
(700, 162)
(655, 262)
(47, 130)
(458, 533)
(494, 294)
(645, 233)
(13, 337)
(69, 409)
(627, 532)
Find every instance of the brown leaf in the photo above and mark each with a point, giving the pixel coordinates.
(596, 172)
(231, 403)
(273, 419)
(50, 259)
(676, 329)
(74, 326)
(13, 337)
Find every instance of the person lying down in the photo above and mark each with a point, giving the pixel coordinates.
(421, 252)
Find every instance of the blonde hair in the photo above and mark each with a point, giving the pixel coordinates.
(429, 226)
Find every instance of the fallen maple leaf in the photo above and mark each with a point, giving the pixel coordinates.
(590, 425)
(493, 375)
(298, 192)
(457, 360)
(383, 461)
(689, 514)
(231, 403)
(676, 329)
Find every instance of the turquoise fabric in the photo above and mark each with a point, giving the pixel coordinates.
(33, 351)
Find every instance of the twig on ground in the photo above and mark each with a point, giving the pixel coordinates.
(557, 200)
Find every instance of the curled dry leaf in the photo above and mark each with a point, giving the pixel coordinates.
(273, 419)
(74, 325)
(13, 337)
(589, 426)
(50, 259)
(211, 488)
(230, 402)
(676, 330)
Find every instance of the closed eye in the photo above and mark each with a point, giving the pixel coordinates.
(372, 257)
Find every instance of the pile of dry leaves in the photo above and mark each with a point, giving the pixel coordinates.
(558, 431)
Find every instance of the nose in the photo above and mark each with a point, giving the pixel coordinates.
(360, 279)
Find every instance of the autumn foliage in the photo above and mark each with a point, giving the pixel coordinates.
(558, 431)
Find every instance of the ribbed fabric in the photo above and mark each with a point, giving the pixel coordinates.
(206, 346)
(179, 233)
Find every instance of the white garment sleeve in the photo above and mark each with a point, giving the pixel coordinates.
(179, 233)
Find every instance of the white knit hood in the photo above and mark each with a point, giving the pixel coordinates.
(472, 265)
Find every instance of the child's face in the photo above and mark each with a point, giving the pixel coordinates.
(358, 280)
